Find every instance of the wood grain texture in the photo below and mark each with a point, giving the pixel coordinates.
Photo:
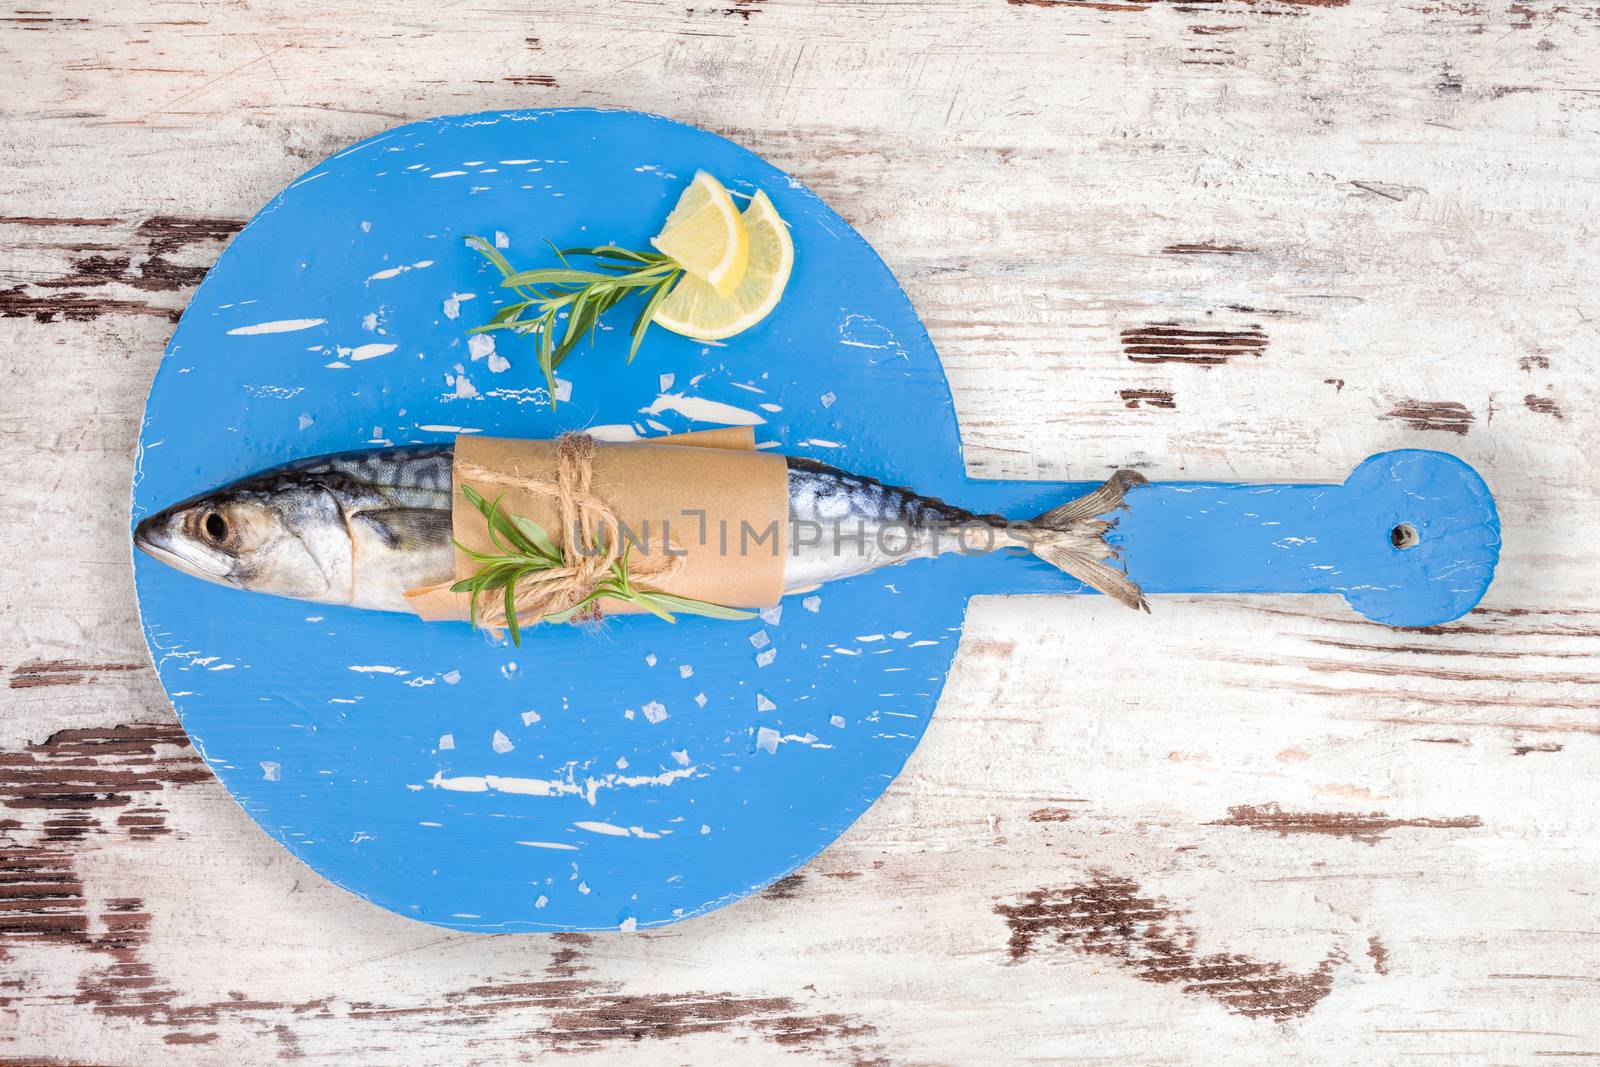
(1234, 240)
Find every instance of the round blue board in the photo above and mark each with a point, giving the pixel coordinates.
(636, 777)
(649, 772)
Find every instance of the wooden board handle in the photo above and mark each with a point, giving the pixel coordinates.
(1411, 538)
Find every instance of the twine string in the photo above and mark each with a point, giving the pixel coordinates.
(589, 536)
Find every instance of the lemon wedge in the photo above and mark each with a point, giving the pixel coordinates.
(706, 236)
(696, 309)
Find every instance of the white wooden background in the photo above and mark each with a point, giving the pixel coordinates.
(1246, 830)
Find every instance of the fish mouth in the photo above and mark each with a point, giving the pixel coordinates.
(154, 536)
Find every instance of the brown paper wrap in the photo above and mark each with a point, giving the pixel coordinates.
(732, 556)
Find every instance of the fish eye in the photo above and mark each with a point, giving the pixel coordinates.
(215, 527)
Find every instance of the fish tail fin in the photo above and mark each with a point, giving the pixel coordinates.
(1071, 537)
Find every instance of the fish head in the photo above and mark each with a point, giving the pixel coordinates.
(263, 539)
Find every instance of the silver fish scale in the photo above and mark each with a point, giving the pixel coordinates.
(822, 493)
(843, 524)
(419, 476)
(416, 476)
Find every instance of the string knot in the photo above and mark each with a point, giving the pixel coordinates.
(588, 534)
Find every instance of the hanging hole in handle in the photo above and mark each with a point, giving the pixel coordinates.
(1404, 535)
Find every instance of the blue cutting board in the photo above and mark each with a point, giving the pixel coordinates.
(650, 772)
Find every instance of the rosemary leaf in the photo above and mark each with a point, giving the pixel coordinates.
(478, 557)
(511, 614)
(642, 323)
(583, 295)
(500, 526)
(686, 606)
(538, 537)
(578, 314)
(549, 276)
(492, 254)
(610, 252)
(547, 352)
(529, 556)
(650, 606)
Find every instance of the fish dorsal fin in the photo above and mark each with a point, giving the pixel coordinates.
(407, 528)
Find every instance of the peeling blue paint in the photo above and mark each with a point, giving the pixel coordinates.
(646, 773)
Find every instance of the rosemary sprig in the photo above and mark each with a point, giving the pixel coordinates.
(528, 554)
(580, 297)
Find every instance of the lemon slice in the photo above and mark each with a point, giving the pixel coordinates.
(695, 309)
(705, 235)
